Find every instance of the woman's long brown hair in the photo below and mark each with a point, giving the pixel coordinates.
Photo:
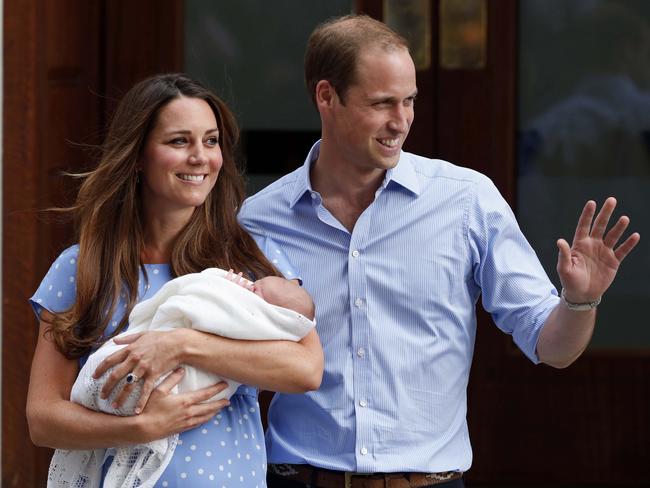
(108, 217)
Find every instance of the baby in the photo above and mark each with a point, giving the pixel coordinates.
(278, 291)
(213, 301)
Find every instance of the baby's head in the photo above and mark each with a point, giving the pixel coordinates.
(285, 293)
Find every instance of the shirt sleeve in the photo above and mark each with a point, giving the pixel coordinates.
(276, 255)
(515, 289)
(57, 291)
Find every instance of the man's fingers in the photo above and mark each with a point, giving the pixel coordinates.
(584, 222)
(615, 233)
(624, 249)
(602, 219)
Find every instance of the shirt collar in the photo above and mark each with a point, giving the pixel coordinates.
(403, 174)
(302, 183)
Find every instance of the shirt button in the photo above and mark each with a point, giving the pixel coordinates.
(363, 403)
(358, 302)
(313, 195)
(361, 352)
(355, 254)
(364, 451)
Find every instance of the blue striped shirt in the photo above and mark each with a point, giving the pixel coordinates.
(395, 303)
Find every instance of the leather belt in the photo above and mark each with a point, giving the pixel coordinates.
(325, 478)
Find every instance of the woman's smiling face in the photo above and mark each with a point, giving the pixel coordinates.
(181, 158)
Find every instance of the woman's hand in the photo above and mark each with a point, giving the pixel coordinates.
(166, 413)
(58, 423)
(146, 355)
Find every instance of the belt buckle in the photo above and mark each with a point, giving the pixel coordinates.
(348, 479)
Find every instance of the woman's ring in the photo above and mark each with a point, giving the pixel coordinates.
(131, 378)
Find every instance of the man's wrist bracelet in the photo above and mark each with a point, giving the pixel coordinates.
(580, 307)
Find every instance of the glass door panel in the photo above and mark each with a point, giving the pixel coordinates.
(251, 54)
(584, 133)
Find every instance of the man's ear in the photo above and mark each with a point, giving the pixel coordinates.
(325, 94)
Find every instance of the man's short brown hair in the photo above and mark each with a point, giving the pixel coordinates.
(334, 46)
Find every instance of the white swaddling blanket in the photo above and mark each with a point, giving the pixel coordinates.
(203, 301)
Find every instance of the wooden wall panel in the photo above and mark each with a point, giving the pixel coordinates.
(142, 38)
(475, 109)
(61, 61)
(21, 155)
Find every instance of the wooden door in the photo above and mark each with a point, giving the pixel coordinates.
(64, 64)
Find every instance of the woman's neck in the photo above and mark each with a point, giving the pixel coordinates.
(152, 255)
(159, 238)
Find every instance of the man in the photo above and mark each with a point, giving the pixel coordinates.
(396, 249)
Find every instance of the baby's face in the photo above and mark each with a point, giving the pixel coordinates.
(284, 293)
(271, 288)
(274, 286)
(277, 291)
(258, 289)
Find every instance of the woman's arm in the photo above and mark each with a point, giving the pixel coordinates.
(284, 366)
(56, 422)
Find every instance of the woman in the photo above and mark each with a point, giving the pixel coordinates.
(161, 203)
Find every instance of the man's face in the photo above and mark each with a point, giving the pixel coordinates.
(369, 126)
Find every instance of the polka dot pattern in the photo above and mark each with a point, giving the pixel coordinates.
(222, 452)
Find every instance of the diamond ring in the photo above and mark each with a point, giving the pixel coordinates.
(131, 378)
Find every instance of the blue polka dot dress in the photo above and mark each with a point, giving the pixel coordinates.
(228, 450)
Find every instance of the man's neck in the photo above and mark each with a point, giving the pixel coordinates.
(346, 191)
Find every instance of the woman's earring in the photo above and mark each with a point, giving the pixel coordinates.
(137, 176)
